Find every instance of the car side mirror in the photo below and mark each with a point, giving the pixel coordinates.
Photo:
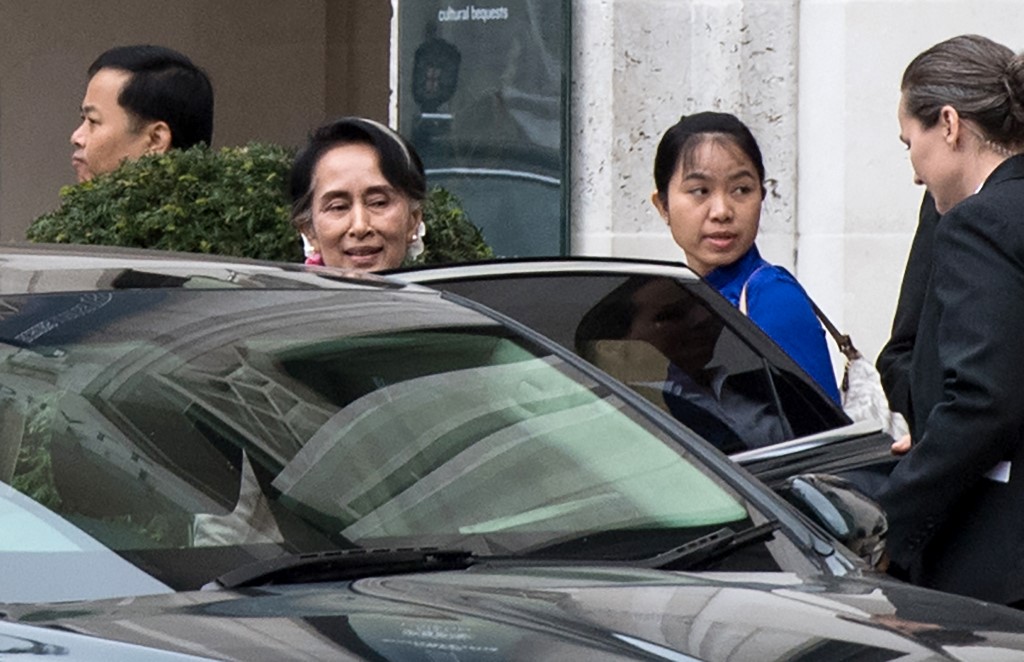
(835, 504)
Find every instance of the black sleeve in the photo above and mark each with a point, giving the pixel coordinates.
(894, 360)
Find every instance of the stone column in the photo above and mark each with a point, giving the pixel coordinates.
(640, 64)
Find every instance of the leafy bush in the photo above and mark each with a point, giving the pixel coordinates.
(451, 236)
(231, 201)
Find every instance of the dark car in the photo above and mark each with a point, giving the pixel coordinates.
(217, 459)
(641, 320)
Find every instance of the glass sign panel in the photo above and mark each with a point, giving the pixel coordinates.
(483, 97)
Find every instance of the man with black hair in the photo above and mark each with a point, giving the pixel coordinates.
(140, 100)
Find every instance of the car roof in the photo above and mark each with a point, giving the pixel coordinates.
(39, 268)
(526, 265)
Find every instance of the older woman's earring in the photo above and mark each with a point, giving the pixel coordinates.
(307, 246)
(416, 246)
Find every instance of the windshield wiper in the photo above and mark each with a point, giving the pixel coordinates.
(714, 545)
(343, 565)
(349, 564)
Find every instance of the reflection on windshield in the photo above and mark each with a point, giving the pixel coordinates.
(430, 455)
(296, 421)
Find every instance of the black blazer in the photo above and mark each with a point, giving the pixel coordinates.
(950, 526)
(894, 360)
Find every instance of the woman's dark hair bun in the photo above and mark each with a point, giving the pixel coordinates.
(1013, 81)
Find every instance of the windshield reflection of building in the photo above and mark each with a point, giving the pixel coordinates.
(147, 395)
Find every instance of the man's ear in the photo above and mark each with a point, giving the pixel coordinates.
(158, 137)
(660, 206)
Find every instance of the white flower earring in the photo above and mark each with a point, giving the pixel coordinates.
(416, 246)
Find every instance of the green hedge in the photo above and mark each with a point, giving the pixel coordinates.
(231, 201)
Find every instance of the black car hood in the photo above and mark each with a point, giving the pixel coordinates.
(554, 612)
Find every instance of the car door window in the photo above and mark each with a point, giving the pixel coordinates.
(676, 342)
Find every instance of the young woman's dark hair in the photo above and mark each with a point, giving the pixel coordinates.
(166, 86)
(399, 162)
(683, 138)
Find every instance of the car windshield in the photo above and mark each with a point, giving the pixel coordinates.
(193, 431)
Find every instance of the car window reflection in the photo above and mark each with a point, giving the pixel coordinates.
(656, 336)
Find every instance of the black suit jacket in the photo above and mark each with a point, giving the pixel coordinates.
(951, 527)
(894, 360)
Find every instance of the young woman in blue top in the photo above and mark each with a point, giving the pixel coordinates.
(710, 185)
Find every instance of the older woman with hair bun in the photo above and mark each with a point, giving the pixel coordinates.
(955, 500)
(357, 193)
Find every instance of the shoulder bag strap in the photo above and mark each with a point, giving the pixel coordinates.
(843, 340)
(742, 303)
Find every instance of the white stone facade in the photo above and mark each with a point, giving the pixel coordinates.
(638, 66)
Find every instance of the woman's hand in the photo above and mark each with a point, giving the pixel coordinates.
(901, 445)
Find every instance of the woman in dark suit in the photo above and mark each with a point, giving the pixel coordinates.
(955, 501)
